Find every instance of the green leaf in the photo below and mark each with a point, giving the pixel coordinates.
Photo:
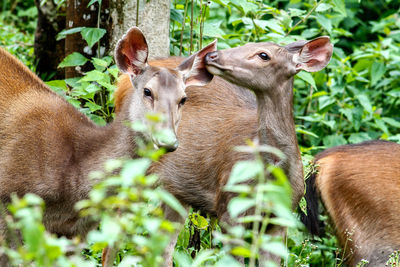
(377, 71)
(92, 35)
(323, 7)
(364, 101)
(213, 29)
(92, 106)
(239, 205)
(307, 77)
(202, 257)
(275, 247)
(95, 76)
(356, 138)
(64, 33)
(391, 122)
(94, 1)
(172, 202)
(241, 251)
(199, 221)
(334, 140)
(325, 101)
(72, 60)
(339, 6)
(244, 170)
(58, 86)
(324, 22)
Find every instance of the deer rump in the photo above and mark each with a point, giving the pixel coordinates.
(359, 186)
(215, 119)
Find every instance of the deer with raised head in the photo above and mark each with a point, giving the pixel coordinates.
(48, 147)
(222, 115)
(359, 186)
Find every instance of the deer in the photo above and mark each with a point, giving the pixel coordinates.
(359, 185)
(225, 113)
(49, 148)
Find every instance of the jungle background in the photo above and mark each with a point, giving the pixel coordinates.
(355, 98)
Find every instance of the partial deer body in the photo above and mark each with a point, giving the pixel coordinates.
(222, 115)
(47, 147)
(360, 188)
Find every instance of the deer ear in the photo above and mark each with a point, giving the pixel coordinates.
(194, 68)
(314, 55)
(131, 52)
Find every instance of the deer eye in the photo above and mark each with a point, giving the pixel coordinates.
(264, 56)
(182, 102)
(147, 92)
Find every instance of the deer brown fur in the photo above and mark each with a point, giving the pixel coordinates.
(48, 147)
(360, 187)
(221, 115)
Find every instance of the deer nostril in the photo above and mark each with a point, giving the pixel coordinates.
(212, 56)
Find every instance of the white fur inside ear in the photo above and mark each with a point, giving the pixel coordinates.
(141, 59)
(194, 70)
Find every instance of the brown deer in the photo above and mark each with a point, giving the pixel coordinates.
(47, 147)
(360, 188)
(222, 115)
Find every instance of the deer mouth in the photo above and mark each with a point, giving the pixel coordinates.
(216, 69)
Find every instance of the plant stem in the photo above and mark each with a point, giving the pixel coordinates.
(137, 12)
(191, 29)
(183, 27)
(305, 18)
(255, 243)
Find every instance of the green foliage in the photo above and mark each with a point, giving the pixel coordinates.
(355, 98)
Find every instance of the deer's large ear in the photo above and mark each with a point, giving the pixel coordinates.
(194, 68)
(314, 55)
(131, 52)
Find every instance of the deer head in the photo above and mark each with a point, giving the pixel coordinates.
(159, 90)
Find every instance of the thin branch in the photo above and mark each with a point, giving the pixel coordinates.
(305, 18)
(183, 27)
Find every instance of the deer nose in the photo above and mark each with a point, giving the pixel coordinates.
(212, 56)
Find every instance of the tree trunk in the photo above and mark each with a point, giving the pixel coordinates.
(153, 19)
(49, 52)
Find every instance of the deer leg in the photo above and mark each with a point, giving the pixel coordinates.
(173, 216)
(108, 256)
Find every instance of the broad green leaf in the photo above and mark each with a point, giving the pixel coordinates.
(95, 76)
(133, 168)
(94, 1)
(92, 106)
(202, 257)
(241, 251)
(323, 7)
(334, 140)
(172, 202)
(239, 205)
(377, 71)
(58, 86)
(64, 33)
(92, 35)
(325, 101)
(324, 22)
(364, 101)
(212, 29)
(307, 77)
(356, 138)
(340, 6)
(275, 247)
(244, 170)
(199, 221)
(391, 122)
(72, 60)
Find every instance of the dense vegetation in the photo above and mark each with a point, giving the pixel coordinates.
(355, 98)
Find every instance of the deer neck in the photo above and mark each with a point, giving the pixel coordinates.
(277, 129)
(114, 141)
